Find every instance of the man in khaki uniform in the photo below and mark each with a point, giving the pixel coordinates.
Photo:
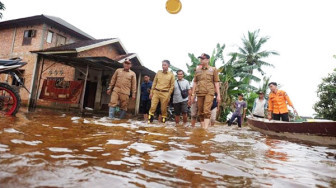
(122, 82)
(206, 83)
(162, 88)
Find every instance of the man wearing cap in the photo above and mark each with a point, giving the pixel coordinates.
(206, 84)
(123, 83)
(259, 106)
(277, 103)
(162, 88)
(240, 106)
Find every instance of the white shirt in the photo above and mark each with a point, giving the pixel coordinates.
(259, 107)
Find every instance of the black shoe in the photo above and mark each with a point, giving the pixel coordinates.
(229, 123)
(150, 118)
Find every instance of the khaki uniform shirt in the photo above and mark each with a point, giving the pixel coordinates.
(123, 82)
(205, 79)
(164, 82)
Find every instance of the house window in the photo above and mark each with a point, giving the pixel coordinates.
(49, 37)
(60, 40)
(19, 73)
(27, 36)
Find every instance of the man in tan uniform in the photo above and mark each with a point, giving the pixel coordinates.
(206, 83)
(162, 88)
(122, 82)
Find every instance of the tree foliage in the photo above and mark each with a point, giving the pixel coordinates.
(251, 53)
(2, 7)
(236, 74)
(326, 106)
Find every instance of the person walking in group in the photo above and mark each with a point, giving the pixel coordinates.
(162, 88)
(259, 106)
(145, 91)
(240, 106)
(277, 103)
(206, 84)
(181, 97)
(123, 83)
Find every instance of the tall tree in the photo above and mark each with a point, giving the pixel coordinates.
(2, 7)
(326, 106)
(251, 53)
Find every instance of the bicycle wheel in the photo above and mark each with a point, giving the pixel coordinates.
(9, 100)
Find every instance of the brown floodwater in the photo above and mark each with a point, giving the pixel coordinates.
(61, 149)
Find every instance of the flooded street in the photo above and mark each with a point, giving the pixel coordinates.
(54, 149)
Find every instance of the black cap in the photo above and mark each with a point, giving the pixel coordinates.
(204, 56)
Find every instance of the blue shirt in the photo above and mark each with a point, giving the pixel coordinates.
(145, 90)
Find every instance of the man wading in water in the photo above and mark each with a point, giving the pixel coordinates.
(122, 82)
(206, 83)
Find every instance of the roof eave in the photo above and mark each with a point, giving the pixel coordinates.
(99, 44)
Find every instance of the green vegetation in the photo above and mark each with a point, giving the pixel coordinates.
(2, 7)
(326, 106)
(236, 74)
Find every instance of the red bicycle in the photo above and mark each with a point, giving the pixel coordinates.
(10, 99)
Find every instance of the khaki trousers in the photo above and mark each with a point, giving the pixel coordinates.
(163, 98)
(204, 104)
(117, 98)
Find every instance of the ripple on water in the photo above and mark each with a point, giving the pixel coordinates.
(31, 143)
(3, 148)
(142, 147)
(117, 142)
(65, 150)
(11, 130)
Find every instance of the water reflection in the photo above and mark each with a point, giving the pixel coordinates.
(54, 149)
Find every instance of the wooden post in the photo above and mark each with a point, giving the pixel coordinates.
(33, 92)
(137, 100)
(38, 84)
(84, 88)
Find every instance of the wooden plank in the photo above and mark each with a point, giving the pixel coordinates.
(137, 102)
(84, 88)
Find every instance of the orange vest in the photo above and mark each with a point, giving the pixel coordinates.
(277, 102)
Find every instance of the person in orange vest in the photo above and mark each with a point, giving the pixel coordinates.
(277, 103)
